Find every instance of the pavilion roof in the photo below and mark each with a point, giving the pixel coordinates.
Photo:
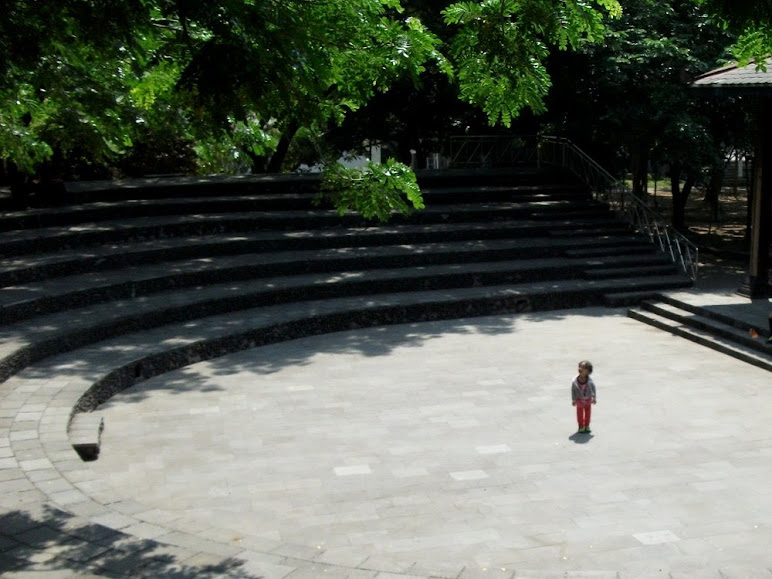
(737, 79)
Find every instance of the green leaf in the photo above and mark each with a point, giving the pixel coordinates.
(376, 191)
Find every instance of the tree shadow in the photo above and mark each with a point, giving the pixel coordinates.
(383, 340)
(364, 333)
(54, 540)
(373, 341)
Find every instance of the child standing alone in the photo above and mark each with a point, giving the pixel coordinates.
(583, 395)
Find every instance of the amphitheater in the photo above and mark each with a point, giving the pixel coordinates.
(217, 378)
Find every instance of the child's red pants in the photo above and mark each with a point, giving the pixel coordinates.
(583, 412)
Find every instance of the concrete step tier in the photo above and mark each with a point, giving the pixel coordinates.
(254, 260)
(428, 265)
(68, 261)
(113, 355)
(125, 229)
(701, 325)
(468, 290)
(181, 187)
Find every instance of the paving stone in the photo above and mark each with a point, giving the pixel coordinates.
(69, 465)
(23, 499)
(157, 516)
(263, 570)
(30, 456)
(317, 571)
(7, 543)
(55, 485)
(16, 522)
(16, 485)
(39, 536)
(127, 507)
(96, 534)
(121, 563)
(84, 552)
(67, 497)
(88, 508)
(113, 520)
(32, 555)
(146, 530)
(9, 469)
(36, 464)
(30, 445)
(194, 543)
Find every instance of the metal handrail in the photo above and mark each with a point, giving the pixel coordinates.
(489, 151)
(564, 153)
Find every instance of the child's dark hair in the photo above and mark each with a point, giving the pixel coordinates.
(586, 364)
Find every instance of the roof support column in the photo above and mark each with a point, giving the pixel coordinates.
(757, 283)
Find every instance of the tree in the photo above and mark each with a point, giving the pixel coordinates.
(61, 88)
(634, 89)
(274, 65)
(268, 66)
(502, 45)
(85, 81)
(751, 20)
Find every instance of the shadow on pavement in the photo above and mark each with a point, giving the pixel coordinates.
(581, 437)
(55, 541)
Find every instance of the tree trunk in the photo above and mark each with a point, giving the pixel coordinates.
(277, 159)
(639, 168)
(259, 163)
(20, 186)
(680, 196)
(713, 190)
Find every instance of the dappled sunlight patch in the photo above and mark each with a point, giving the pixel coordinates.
(126, 348)
(177, 341)
(72, 366)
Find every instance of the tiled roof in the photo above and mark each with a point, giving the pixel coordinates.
(737, 77)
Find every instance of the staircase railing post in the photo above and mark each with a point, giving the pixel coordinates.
(641, 218)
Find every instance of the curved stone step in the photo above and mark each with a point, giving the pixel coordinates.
(66, 261)
(147, 206)
(43, 334)
(83, 234)
(19, 302)
(148, 351)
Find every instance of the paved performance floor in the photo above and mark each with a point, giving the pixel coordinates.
(448, 449)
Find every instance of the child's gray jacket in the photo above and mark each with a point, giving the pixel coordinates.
(582, 391)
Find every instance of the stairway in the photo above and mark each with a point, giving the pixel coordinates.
(194, 268)
(726, 334)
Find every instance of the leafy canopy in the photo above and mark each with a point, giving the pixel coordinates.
(752, 21)
(501, 48)
(95, 74)
(91, 78)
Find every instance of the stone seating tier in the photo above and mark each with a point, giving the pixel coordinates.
(124, 263)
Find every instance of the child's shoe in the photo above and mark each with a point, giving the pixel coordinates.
(587, 430)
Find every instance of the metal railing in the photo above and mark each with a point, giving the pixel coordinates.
(490, 151)
(563, 153)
